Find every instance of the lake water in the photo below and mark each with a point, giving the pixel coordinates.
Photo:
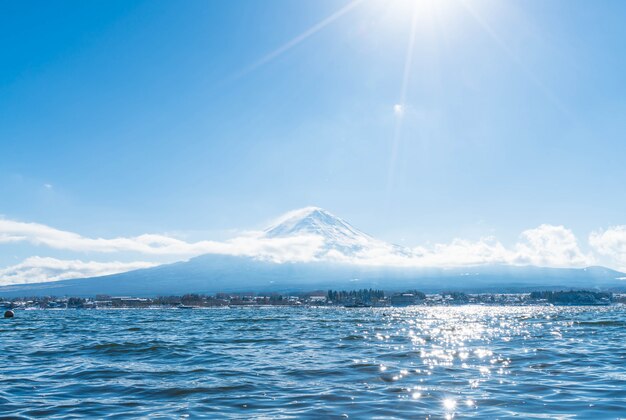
(421, 362)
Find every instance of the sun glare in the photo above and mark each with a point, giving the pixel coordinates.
(424, 8)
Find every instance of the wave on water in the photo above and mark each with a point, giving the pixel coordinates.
(529, 362)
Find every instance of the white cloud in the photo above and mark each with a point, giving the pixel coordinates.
(546, 245)
(461, 252)
(552, 246)
(611, 243)
(40, 269)
(253, 244)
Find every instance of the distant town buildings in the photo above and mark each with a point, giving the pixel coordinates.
(353, 298)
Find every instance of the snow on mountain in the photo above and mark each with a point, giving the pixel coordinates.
(341, 240)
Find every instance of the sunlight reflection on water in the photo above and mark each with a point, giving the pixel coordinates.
(309, 362)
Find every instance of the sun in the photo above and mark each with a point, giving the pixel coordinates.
(421, 7)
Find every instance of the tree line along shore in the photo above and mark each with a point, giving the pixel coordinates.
(352, 298)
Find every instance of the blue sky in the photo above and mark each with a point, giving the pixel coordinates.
(417, 121)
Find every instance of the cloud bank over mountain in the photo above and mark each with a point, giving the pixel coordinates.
(41, 269)
(544, 246)
(304, 235)
(611, 243)
(251, 244)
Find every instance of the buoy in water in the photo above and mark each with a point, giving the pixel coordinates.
(9, 314)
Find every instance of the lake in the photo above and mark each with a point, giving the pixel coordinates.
(283, 362)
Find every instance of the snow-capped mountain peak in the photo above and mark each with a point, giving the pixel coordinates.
(315, 221)
(340, 237)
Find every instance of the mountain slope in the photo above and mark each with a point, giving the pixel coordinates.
(220, 273)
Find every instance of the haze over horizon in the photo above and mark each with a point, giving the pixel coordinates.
(135, 133)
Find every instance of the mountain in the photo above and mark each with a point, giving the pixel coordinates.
(336, 264)
(340, 238)
(225, 273)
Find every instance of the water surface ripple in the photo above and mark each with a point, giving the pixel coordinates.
(420, 362)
